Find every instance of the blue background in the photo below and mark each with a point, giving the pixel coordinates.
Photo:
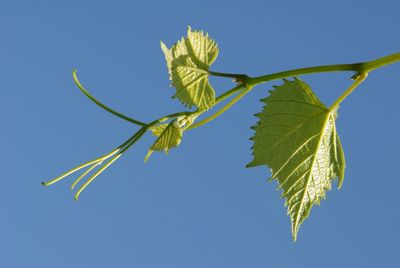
(198, 206)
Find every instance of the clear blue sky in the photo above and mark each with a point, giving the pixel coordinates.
(198, 206)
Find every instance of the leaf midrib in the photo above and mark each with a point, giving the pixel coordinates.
(297, 128)
(312, 165)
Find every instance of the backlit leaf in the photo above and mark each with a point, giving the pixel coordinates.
(296, 137)
(158, 129)
(169, 136)
(188, 62)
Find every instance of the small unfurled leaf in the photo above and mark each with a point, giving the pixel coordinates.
(169, 136)
(188, 62)
(158, 129)
(296, 137)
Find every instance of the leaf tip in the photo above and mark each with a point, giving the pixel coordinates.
(166, 51)
(163, 45)
(340, 181)
(251, 164)
(146, 158)
(76, 196)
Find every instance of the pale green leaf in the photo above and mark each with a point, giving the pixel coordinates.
(296, 137)
(169, 136)
(188, 62)
(158, 129)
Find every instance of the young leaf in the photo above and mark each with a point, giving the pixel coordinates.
(158, 129)
(188, 62)
(169, 136)
(296, 137)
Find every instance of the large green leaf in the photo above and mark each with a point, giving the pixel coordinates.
(296, 137)
(188, 62)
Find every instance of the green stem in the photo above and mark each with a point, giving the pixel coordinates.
(108, 109)
(237, 77)
(223, 109)
(228, 93)
(252, 81)
(167, 117)
(301, 71)
(355, 67)
(380, 62)
(360, 78)
(361, 69)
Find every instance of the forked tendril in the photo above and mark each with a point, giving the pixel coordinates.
(95, 167)
(93, 164)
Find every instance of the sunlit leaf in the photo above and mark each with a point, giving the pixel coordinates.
(158, 129)
(296, 137)
(188, 62)
(169, 136)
